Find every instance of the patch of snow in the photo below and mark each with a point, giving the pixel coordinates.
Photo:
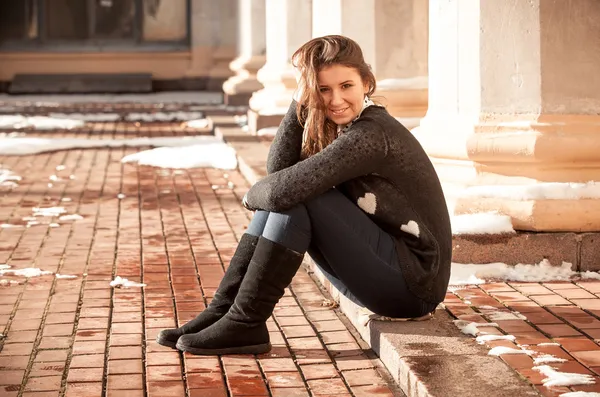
(119, 282)
(54, 225)
(500, 316)
(70, 217)
(547, 358)
(471, 328)
(581, 394)
(590, 275)
(4, 267)
(120, 196)
(217, 155)
(481, 223)
(27, 272)
(66, 199)
(99, 117)
(268, 131)
(481, 339)
(198, 123)
(163, 116)
(499, 350)
(5, 282)
(8, 226)
(60, 167)
(539, 191)
(50, 211)
(472, 274)
(8, 178)
(27, 146)
(556, 378)
(548, 344)
(39, 122)
(67, 276)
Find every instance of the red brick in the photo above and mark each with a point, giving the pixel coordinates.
(85, 375)
(84, 389)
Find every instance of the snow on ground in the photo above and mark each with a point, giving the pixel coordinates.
(27, 146)
(97, 117)
(499, 350)
(547, 359)
(190, 97)
(481, 339)
(119, 282)
(580, 394)
(198, 123)
(539, 191)
(473, 274)
(39, 122)
(9, 178)
(556, 378)
(163, 116)
(27, 272)
(472, 328)
(215, 155)
(481, 223)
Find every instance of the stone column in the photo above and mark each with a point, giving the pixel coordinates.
(393, 35)
(213, 41)
(513, 116)
(251, 50)
(288, 26)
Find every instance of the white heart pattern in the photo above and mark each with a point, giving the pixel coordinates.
(368, 203)
(412, 228)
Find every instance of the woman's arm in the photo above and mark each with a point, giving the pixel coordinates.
(357, 152)
(286, 146)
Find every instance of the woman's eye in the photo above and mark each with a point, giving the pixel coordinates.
(323, 89)
(347, 86)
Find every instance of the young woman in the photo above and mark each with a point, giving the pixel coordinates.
(350, 185)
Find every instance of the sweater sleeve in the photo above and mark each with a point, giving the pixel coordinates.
(359, 151)
(285, 148)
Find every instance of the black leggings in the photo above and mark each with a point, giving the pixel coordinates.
(355, 255)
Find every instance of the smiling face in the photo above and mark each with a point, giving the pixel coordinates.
(343, 92)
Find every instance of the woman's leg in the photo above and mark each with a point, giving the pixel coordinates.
(362, 256)
(277, 257)
(228, 288)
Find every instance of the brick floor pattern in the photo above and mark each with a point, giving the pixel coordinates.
(174, 231)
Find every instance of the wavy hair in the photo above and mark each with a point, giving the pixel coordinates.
(309, 60)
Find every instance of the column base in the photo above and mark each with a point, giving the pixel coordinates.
(536, 170)
(257, 121)
(579, 249)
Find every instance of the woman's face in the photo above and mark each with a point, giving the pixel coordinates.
(343, 92)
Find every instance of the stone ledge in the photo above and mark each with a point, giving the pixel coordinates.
(426, 359)
(580, 249)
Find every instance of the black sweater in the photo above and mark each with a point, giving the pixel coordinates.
(381, 166)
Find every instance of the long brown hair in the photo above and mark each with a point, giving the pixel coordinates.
(309, 60)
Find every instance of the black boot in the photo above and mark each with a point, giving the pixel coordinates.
(243, 330)
(224, 297)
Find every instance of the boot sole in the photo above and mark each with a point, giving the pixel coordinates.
(166, 342)
(253, 349)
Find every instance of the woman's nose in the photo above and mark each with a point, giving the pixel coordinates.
(336, 97)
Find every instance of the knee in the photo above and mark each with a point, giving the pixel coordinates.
(296, 216)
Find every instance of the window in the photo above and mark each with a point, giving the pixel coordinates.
(52, 23)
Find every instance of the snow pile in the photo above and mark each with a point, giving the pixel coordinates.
(70, 217)
(215, 155)
(198, 123)
(547, 358)
(481, 339)
(472, 274)
(499, 350)
(8, 226)
(556, 378)
(540, 191)
(27, 146)
(580, 394)
(163, 116)
(65, 276)
(39, 122)
(49, 212)
(8, 178)
(27, 272)
(481, 223)
(119, 282)
(93, 117)
(472, 328)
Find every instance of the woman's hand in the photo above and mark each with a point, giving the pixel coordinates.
(245, 203)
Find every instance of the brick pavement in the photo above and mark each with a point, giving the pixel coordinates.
(174, 231)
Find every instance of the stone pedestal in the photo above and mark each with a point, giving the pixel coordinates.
(513, 109)
(252, 53)
(287, 28)
(393, 35)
